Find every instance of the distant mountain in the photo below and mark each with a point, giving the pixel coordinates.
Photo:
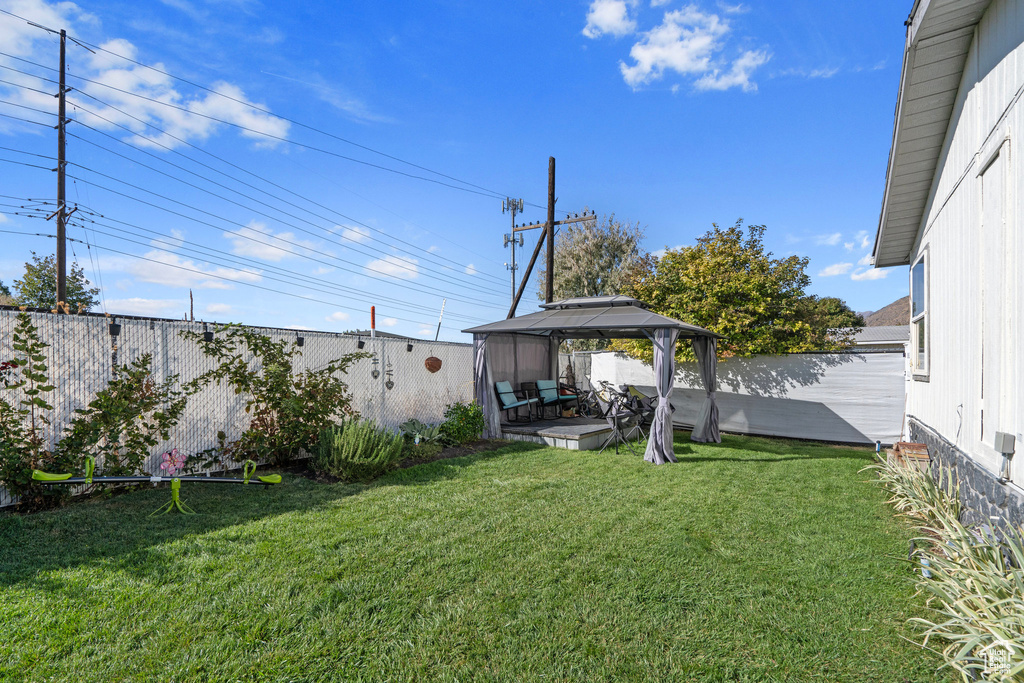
(896, 313)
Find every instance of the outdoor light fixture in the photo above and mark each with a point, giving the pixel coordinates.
(207, 334)
(408, 348)
(299, 341)
(114, 327)
(360, 344)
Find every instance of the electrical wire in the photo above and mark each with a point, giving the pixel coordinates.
(381, 274)
(411, 263)
(250, 173)
(185, 142)
(220, 277)
(204, 251)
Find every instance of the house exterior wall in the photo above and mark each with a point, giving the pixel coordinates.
(971, 382)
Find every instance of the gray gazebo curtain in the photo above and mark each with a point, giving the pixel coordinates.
(483, 388)
(659, 444)
(705, 427)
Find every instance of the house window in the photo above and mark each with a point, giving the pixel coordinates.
(919, 317)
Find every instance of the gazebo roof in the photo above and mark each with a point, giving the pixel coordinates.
(599, 317)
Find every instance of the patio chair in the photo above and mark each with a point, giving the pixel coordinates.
(508, 401)
(643, 407)
(547, 390)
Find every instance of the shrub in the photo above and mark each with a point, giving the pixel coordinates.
(463, 422)
(288, 409)
(357, 450)
(411, 429)
(976, 589)
(121, 425)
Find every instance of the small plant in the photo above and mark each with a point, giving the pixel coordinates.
(419, 432)
(22, 424)
(357, 450)
(976, 584)
(463, 422)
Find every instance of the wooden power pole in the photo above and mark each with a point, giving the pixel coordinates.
(62, 259)
(548, 237)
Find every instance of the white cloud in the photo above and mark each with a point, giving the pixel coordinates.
(870, 274)
(836, 269)
(256, 240)
(172, 241)
(848, 246)
(181, 120)
(426, 332)
(139, 306)
(433, 249)
(866, 261)
(337, 317)
(3, 218)
(609, 16)
(322, 270)
(828, 240)
(660, 253)
(169, 269)
(354, 233)
(659, 3)
(389, 322)
(866, 240)
(738, 8)
(218, 308)
(396, 266)
(471, 269)
(688, 41)
(738, 76)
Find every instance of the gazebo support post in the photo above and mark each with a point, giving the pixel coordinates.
(659, 443)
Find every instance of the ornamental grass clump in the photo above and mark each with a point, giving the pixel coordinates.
(357, 450)
(976, 584)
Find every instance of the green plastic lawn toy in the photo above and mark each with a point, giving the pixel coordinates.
(248, 470)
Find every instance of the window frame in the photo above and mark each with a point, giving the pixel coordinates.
(920, 361)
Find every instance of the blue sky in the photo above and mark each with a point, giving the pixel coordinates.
(672, 114)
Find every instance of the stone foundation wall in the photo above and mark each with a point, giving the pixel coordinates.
(982, 495)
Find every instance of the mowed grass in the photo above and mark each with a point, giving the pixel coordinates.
(753, 560)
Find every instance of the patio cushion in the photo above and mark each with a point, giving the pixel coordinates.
(548, 390)
(508, 398)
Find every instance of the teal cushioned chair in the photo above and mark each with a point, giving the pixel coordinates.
(547, 390)
(508, 401)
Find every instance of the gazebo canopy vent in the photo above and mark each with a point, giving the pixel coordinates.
(526, 347)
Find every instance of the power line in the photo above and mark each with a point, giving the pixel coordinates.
(242, 182)
(477, 189)
(410, 263)
(204, 251)
(246, 237)
(219, 277)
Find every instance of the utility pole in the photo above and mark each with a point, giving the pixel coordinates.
(547, 236)
(512, 206)
(62, 264)
(549, 291)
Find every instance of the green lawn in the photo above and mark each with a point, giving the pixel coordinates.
(753, 560)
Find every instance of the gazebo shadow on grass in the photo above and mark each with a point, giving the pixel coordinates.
(785, 450)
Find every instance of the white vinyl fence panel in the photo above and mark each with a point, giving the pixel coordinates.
(82, 352)
(842, 397)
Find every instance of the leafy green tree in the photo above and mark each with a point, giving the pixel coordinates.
(728, 283)
(5, 295)
(592, 258)
(38, 286)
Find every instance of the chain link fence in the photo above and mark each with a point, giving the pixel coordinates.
(390, 387)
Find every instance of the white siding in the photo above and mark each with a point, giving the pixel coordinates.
(972, 238)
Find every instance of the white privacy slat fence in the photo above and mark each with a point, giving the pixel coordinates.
(82, 353)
